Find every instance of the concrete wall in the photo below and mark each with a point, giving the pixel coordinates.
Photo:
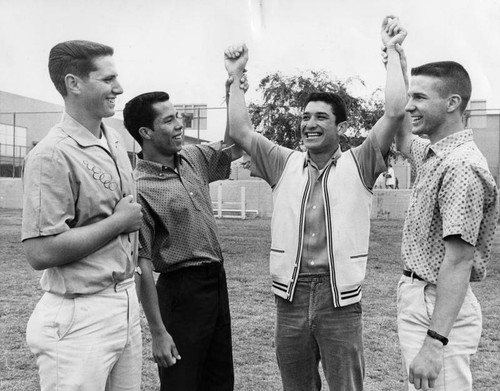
(11, 191)
(387, 204)
(486, 126)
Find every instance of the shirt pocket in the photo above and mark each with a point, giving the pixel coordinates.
(423, 206)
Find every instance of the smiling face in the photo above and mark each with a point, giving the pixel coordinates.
(318, 130)
(167, 135)
(427, 105)
(100, 89)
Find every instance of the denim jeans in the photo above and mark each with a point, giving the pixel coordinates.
(309, 330)
(416, 300)
(89, 342)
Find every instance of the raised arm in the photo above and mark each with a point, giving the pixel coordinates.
(393, 35)
(240, 126)
(49, 251)
(404, 135)
(236, 151)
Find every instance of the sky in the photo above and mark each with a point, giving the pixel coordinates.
(177, 45)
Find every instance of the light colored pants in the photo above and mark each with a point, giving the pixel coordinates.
(416, 301)
(88, 343)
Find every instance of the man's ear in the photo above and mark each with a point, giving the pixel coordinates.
(145, 133)
(342, 128)
(72, 83)
(453, 103)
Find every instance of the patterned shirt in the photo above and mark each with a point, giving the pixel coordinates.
(454, 194)
(179, 228)
(70, 180)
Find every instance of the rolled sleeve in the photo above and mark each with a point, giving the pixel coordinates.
(370, 160)
(215, 160)
(461, 199)
(48, 199)
(268, 159)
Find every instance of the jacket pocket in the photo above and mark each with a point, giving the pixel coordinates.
(280, 266)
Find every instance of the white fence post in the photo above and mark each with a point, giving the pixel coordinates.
(243, 204)
(219, 201)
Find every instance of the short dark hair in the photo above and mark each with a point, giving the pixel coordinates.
(139, 112)
(335, 101)
(75, 57)
(454, 78)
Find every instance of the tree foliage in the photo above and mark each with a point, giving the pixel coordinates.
(278, 117)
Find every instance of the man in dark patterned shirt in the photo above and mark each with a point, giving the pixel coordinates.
(448, 232)
(179, 239)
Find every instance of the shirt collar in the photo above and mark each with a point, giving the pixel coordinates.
(446, 145)
(333, 159)
(81, 134)
(154, 167)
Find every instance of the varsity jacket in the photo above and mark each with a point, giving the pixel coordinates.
(347, 203)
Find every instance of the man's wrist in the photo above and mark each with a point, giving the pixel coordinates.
(236, 75)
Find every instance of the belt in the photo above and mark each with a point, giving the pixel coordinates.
(203, 270)
(409, 273)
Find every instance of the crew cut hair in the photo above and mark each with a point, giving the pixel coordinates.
(139, 112)
(335, 101)
(453, 76)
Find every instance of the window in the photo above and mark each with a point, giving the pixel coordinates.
(12, 144)
(12, 150)
(194, 116)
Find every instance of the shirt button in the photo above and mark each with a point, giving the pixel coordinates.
(313, 235)
(312, 263)
(314, 206)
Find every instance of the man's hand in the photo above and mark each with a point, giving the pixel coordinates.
(165, 352)
(426, 366)
(393, 31)
(129, 215)
(235, 59)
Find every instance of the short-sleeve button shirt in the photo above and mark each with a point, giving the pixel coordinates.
(179, 228)
(70, 180)
(454, 194)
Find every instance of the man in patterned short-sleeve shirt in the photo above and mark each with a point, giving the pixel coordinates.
(179, 239)
(448, 232)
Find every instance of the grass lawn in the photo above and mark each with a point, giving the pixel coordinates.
(245, 245)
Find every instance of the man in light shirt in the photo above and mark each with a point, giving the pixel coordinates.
(79, 226)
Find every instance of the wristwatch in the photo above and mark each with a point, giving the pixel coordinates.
(439, 337)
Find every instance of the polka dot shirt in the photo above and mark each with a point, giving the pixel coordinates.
(454, 194)
(179, 228)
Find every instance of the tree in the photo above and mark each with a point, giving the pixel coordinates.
(278, 117)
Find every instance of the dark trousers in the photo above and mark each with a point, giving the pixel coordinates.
(194, 307)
